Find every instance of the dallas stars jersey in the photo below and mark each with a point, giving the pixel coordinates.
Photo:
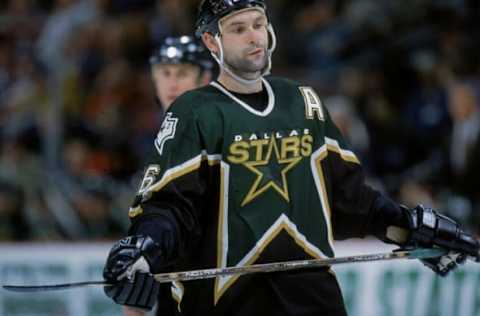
(247, 186)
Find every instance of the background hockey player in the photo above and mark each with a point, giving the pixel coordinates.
(251, 169)
(179, 64)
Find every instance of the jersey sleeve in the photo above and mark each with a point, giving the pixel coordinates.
(351, 198)
(167, 204)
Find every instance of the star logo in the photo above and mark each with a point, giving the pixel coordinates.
(271, 173)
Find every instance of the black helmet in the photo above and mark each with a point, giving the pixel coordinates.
(211, 11)
(180, 50)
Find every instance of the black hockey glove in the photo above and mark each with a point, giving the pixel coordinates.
(128, 268)
(428, 228)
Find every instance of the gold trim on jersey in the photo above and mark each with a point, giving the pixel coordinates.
(222, 229)
(135, 211)
(176, 172)
(222, 284)
(346, 155)
(178, 290)
(316, 165)
(183, 169)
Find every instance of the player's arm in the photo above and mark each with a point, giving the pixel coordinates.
(165, 218)
(350, 199)
(358, 210)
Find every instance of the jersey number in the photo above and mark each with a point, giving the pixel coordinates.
(150, 177)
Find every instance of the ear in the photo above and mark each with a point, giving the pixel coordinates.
(210, 42)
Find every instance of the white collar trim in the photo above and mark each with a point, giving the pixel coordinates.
(271, 98)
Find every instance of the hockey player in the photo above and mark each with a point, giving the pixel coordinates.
(251, 169)
(178, 65)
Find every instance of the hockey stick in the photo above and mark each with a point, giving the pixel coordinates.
(256, 268)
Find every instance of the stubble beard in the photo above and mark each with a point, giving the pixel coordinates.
(245, 67)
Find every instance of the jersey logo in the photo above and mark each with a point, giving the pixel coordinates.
(167, 131)
(271, 173)
(313, 105)
(270, 156)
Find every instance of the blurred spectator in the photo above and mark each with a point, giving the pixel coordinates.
(13, 224)
(425, 115)
(23, 21)
(18, 164)
(67, 16)
(93, 206)
(412, 193)
(21, 169)
(6, 65)
(84, 194)
(464, 150)
(366, 87)
(352, 127)
(26, 99)
(172, 17)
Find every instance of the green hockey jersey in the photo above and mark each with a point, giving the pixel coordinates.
(246, 186)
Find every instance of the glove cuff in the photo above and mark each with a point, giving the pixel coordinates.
(428, 228)
(150, 250)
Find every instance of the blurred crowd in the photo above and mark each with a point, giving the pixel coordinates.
(77, 111)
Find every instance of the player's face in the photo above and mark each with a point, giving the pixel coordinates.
(245, 42)
(173, 80)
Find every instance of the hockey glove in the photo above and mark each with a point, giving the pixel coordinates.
(428, 228)
(128, 269)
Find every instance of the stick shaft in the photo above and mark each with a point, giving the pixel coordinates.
(53, 287)
(256, 268)
(294, 265)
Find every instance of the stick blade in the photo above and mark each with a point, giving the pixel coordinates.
(426, 253)
(54, 287)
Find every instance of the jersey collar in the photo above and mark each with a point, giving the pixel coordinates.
(271, 98)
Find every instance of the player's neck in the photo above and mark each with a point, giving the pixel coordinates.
(233, 85)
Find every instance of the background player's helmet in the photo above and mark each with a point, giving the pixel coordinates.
(210, 12)
(182, 50)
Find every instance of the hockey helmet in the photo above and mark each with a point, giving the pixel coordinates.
(211, 11)
(181, 50)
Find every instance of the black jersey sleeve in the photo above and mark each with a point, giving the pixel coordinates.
(167, 206)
